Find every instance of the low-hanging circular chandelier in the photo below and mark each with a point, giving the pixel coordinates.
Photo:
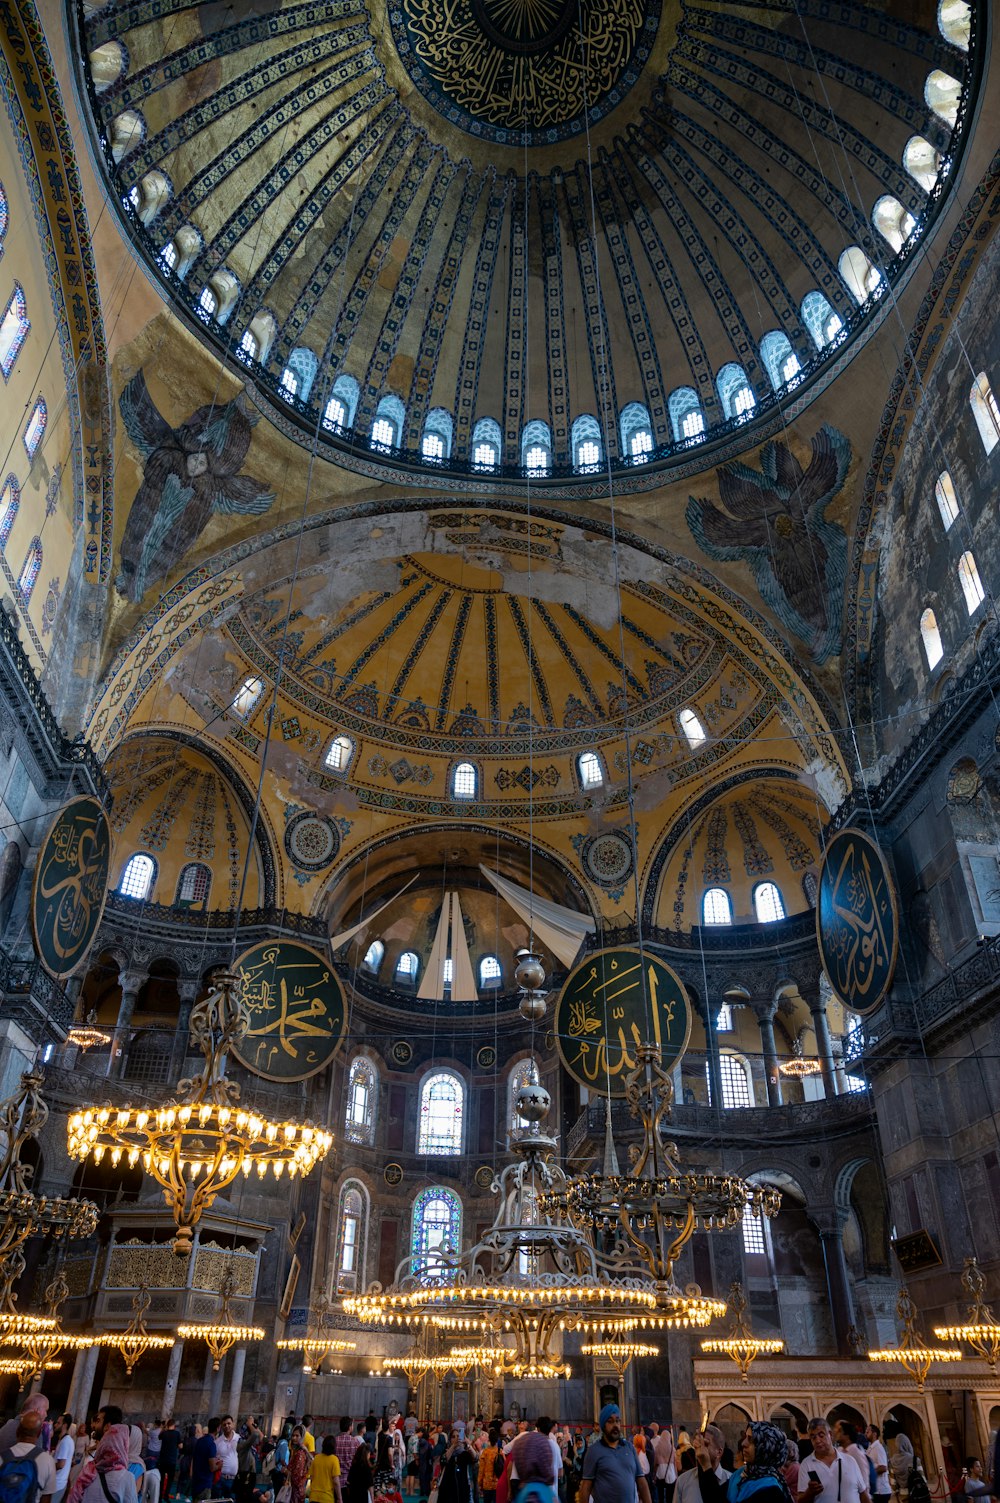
(621, 1354)
(912, 1353)
(87, 1035)
(23, 1368)
(221, 1335)
(24, 1214)
(313, 1347)
(799, 1066)
(656, 1207)
(741, 1344)
(43, 1342)
(981, 1330)
(196, 1146)
(135, 1341)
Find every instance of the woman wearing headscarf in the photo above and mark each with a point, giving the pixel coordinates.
(105, 1477)
(639, 1441)
(136, 1464)
(762, 1475)
(299, 1465)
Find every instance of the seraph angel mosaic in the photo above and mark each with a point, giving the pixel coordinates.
(191, 473)
(774, 520)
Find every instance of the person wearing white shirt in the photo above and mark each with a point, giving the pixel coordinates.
(879, 1458)
(829, 1475)
(709, 1442)
(64, 1450)
(544, 1426)
(226, 1444)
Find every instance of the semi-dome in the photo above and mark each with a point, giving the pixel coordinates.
(529, 240)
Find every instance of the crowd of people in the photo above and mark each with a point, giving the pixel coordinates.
(392, 1459)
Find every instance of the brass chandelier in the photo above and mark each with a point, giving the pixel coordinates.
(741, 1344)
(197, 1145)
(656, 1207)
(221, 1335)
(135, 1341)
(42, 1344)
(981, 1330)
(24, 1214)
(912, 1353)
(313, 1348)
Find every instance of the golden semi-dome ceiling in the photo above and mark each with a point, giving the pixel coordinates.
(507, 237)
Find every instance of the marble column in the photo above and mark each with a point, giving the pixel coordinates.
(131, 983)
(765, 1012)
(830, 1226)
(213, 1384)
(82, 1384)
(239, 1362)
(824, 1045)
(187, 991)
(173, 1376)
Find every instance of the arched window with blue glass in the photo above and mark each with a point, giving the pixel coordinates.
(636, 433)
(820, 318)
(735, 392)
(299, 374)
(362, 1101)
(487, 444)
(14, 328)
(436, 1240)
(10, 503)
(779, 359)
(536, 448)
(435, 444)
(585, 443)
(687, 420)
(342, 404)
(3, 216)
(390, 415)
(30, 570)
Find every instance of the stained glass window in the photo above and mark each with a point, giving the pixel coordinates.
(35, 427)
(14, 327)
(30, 570)
(362, 1096)
(10, 500)
(193, 886)
(442, 1108)
(437, 1231)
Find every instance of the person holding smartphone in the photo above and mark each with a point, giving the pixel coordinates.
(829, 1475)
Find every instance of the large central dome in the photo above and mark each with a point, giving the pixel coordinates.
(524, 71)
(529, 237)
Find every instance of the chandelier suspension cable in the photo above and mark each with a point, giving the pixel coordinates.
(607, 427)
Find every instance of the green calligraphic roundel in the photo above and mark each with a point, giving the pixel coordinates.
(298, 1013)
(857, 922)
(71, 885)
(612, 1002)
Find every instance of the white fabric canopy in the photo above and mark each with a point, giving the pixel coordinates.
(432, 982)
(561, 930)
(341, 939)
(463, 982)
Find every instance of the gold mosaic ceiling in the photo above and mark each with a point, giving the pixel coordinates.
(359, 180)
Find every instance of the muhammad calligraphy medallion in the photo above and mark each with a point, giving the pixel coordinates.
(298, 1014)
(71, 885)
(520, 71)
(613, 1002)
(857, 923)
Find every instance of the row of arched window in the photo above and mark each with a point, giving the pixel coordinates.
(10, 502)
(768, 904)
(441, 1115)
(986, 412)
(406, 971)
(138, 879)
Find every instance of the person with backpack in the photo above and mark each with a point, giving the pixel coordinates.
(105, 1477)
(27, 1472)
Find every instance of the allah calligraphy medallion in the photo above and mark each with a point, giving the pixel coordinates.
(613, 1002)
(520, 71)
(71, 885)
(857, 923)
(298, 1015)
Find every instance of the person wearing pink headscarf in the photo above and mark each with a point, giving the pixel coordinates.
(105, 1478)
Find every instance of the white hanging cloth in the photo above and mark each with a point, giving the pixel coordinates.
(431, 987)
(463, 981)
(341, 939)
(560, 930)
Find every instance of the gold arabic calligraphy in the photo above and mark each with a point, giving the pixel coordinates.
(72, 882)
(618, 998)
(296, 1010)
(858, 927)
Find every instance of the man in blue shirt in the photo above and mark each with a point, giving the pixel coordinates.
(204, 1463)
(611, 1465)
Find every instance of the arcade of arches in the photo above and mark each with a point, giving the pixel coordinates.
(436, 475)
